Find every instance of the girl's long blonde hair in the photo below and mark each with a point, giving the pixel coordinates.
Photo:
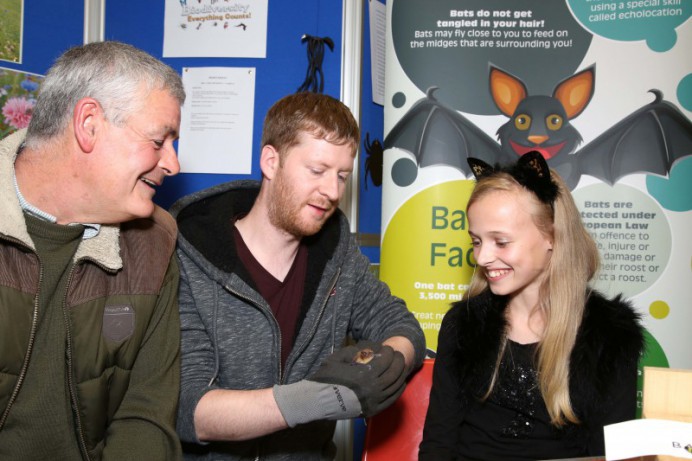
(563, 293)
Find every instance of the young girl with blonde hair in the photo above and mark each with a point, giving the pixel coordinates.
(532, 363)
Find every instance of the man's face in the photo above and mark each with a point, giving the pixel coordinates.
(308, 185)
(135, 158)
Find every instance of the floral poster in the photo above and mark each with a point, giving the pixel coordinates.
(18, 91)
(11, 30)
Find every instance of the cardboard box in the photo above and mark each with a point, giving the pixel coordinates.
(667, 394)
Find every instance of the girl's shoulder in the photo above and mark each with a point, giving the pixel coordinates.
(610, 315)
(610, 333)
(478, 312)
(477, 324)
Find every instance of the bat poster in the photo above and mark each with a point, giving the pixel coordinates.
(601, 88)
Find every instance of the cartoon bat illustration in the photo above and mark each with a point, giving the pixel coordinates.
(438, 135)
(650, 140)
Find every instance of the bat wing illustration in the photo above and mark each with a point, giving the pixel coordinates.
(438, 135)
(650, 140)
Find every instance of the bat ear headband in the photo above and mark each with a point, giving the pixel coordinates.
(531, 171)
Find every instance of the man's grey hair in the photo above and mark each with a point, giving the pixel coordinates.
(113, 73)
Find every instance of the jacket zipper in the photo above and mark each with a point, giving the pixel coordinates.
(258, 455)
(70, 377)
(68, 353)
(30, 347)
(32, 338)
(267, 312)
(323, 308)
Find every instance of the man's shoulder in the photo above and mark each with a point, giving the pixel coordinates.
(157, 234)
(160, 222)
(11, 142)
(219, 195)
(165, 222)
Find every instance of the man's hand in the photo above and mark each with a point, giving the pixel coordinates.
(375, 373)
(359, 380)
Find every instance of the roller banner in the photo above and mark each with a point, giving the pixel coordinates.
(603, 89)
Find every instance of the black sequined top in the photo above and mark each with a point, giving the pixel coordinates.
(513, 423)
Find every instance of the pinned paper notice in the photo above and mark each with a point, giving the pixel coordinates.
(643, 437)
(216, 120)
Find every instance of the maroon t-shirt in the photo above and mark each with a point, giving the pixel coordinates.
(285, 297)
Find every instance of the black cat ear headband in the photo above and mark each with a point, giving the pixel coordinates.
(531, 171)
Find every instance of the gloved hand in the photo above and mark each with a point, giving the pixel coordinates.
(342, 388)
(377, 383)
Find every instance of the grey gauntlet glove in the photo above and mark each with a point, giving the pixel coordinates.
(355, 380)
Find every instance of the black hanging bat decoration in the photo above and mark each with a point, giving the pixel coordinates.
(374, 160)
(650, 140)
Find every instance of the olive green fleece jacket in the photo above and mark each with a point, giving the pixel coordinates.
(122, 350)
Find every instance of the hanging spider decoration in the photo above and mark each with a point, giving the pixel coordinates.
(374, 161)
(314, 78)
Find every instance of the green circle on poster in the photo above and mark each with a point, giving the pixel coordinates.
(426, 256)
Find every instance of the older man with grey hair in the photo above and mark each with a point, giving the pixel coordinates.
(89, 330)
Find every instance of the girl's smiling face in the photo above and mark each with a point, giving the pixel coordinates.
(507, 245)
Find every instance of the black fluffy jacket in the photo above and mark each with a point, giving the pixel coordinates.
(603, 369)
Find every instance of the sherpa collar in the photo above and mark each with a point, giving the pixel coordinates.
(103, 249)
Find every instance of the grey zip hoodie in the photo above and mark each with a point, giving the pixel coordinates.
(230, 339)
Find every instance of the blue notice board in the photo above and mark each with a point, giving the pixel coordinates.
(280, 73)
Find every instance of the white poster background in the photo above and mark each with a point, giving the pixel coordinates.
(216, 120)
(213, 28)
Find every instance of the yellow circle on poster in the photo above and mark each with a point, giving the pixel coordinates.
(426, 256)
(659, 309)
